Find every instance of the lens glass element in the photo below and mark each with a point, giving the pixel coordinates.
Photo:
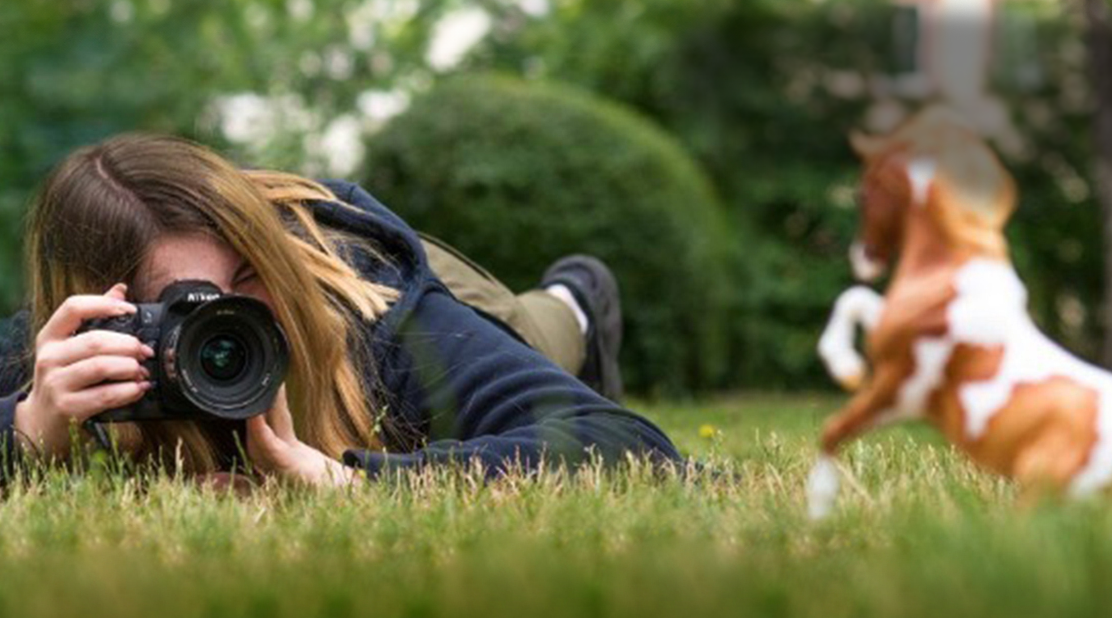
(223, 357)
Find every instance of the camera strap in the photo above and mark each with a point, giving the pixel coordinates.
(99, 433)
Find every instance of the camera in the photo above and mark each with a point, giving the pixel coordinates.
(217, 356)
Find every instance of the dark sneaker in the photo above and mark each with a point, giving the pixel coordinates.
(596, 291)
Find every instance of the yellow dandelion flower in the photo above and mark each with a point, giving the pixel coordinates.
(707, 431)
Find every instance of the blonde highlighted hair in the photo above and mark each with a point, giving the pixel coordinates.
(103, 207)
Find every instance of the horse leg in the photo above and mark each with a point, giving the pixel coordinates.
(1046, 467)
(857, 305)
(859, 415)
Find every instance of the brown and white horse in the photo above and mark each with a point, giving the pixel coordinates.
(951, 342)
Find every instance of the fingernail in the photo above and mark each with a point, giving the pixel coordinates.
(146, 385)
(144, 372)
(148, 351)
(125, 308)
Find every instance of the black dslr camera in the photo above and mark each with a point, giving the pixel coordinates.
(216, 356)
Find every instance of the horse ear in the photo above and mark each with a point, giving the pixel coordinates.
(866, 146)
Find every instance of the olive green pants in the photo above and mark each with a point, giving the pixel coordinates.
(541, 319)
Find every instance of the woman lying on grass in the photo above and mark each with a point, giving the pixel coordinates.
(389, 368)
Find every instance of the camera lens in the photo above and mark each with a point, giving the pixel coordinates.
(223, 357)
(227, 358)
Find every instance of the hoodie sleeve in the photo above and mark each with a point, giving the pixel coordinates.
(13, 373)
(478, 393)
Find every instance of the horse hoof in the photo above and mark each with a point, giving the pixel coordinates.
(852, 382)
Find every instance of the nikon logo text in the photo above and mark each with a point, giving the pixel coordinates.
(201, 297)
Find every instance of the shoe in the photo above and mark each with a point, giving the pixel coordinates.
(595, 289)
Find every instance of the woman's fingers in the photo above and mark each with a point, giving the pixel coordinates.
(291, 459)
(286, 456)
(266, 449)
(118, 291)
(93, 371)
(92, 401)
(260, 434)
(91, 344)
(77, 309)
(279, 419)
(76, 377)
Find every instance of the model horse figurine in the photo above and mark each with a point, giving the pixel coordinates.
(951, 342)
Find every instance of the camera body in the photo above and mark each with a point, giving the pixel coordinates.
(217, 356)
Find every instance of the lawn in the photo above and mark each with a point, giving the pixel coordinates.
(917, 532)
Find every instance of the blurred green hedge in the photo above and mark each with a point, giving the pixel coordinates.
(517, 174)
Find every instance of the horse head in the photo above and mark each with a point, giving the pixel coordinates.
(933, 171)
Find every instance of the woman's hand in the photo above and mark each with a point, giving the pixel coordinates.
(273, 447)
(77, 377)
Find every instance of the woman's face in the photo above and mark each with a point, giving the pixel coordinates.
(196, 256)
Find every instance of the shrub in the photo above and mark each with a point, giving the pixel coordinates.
(516, 174)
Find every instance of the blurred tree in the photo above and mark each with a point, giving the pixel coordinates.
(1099, 43)
(261, 79)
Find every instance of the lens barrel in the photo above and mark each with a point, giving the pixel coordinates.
(228, 357)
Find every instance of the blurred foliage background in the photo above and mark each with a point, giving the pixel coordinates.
(697, 144)
(517, 174)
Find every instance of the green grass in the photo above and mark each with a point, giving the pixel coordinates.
(917, 532)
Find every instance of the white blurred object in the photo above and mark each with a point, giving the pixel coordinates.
(454, 35)
(857, 305)
(864, 267)
(300, 10)
(341, 145)
(953, 62)
(382, 105)
(244, 117)
(535, 8)
(959, 47)
(122, 11)
(250, 118)
(822, 488)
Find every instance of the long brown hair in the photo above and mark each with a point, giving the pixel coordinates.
(104, 205)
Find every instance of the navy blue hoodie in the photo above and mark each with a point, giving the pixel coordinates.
(455, 384)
